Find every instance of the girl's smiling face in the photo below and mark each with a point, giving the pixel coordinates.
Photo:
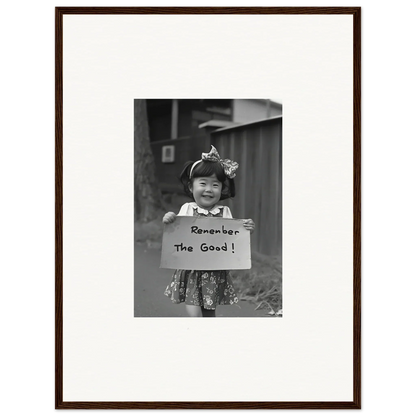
(206, 191)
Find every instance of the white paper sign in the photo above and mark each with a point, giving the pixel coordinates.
(195, 243)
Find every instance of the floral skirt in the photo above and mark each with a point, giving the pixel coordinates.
(202, 288)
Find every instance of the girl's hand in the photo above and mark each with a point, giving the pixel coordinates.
(169, 217)
(249, 225)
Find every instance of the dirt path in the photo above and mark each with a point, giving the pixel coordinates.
(150, 282)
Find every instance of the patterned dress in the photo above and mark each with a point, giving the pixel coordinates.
(206, 288)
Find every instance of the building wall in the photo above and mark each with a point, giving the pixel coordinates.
(191, 113)
(246, 111)
(189, 148)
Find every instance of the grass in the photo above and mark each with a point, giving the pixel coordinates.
(262, 284)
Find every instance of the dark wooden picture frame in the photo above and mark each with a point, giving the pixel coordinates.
(355, 12)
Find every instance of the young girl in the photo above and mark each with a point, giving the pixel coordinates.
(206, 181)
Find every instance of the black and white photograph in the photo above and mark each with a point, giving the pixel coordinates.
(208, 158)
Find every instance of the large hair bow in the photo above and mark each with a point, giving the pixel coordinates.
(228, 165)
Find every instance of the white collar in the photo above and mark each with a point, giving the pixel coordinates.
(214, 211)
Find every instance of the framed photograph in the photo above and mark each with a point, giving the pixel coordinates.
(208, 165)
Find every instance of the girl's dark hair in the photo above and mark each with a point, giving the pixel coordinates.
(204, 169)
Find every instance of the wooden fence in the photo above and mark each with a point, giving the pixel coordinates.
(257, 147)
